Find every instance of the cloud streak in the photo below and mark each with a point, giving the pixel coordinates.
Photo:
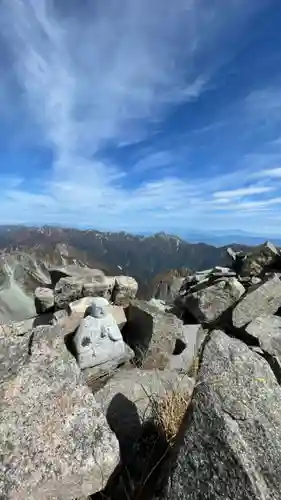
(247, 191)
(105, 77)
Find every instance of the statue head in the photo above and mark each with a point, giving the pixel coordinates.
(98, 308)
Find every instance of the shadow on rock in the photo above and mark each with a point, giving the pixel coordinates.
(143, 450)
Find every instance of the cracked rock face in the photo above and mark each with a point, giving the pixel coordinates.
(55, 442)
(152, 334)
(209, 303)
(232, 445)
(260, 299)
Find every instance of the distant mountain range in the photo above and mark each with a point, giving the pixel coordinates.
(143, 257)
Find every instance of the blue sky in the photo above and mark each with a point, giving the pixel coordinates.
(141, 115)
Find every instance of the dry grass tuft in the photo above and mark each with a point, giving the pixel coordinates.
(195, 367)
(169, 413)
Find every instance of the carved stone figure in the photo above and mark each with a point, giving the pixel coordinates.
(98, 338)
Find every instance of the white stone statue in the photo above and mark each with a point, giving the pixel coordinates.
(98, 338)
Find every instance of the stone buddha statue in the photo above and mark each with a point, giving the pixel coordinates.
(98, 338)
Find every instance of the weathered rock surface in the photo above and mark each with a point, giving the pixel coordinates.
(118, 314)
(152, 334)
(208, 304)
(186, 360)
(129, 397)
(59, 316)
(260, 299)
(168, 290)
(27, 325)
(67, 290)
(100, 287)
(263, 256)
(17, 327)
(267, 330)
(86, 274)
(124, 291)
(232, 445)
(13, 354)
(160, 304)
(54, 439)
(20, 274)
(79, 306)
(237, 258)
(44, 299)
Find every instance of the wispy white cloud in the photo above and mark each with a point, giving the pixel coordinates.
(245, 191)
(273, 173)
(102, 77)
(155, 160)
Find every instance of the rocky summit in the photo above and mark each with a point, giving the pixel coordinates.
(106, 396)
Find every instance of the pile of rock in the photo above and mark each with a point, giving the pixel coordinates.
(74, 282)
(231, 445)
(231, 297)
(62, 374)
(79, 384)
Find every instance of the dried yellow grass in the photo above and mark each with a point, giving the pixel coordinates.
(169, 413)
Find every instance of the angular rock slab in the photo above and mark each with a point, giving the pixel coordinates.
(267, 330)
(54, 440)
(186, 361)
(124, 291)
(263, 256)
(102, 287)
(13, 355)
(231, 446)
(86, 274)
(152, 334)
(44, 299)
(24, 327)
(128, 397)
(208, 304)
(67, 290)
(261, 299)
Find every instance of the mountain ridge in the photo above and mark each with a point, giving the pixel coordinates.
(142, 257)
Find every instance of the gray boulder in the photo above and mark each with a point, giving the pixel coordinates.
(17, 327)
(13, 355)
(27, 325)
(54, 439)
(67, 290)
(167, 290)
(237, 258)
(59, 317)
(186, 361)
(124, 291)
(260, 300)
(44, 299)
(231, 445)
(100, 287)
(86, 274)
(160, 304)
(143, 389)
(267, 330)
(79, 306)
(152, 334)
(263, 256)
(209, 303)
